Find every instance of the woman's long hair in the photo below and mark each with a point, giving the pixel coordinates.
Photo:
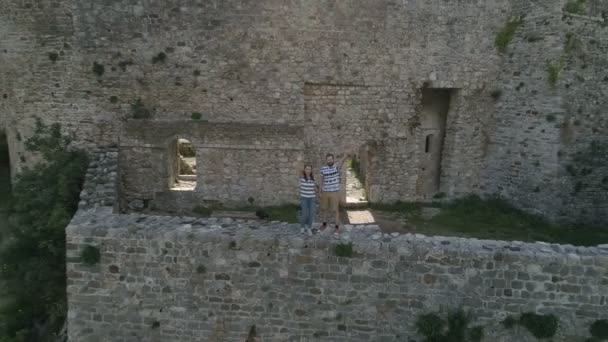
(312, 177)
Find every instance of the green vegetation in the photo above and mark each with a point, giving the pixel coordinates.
(53, 56)
(160, 58)
(541, 326)
(44, 198)
(196, 116)
(599, 329)
(201, 269)
(575, 7)
(506, 34)
(284, 213)
(494, 219)
(586, 162)
(202, 211)
(509, 322)
(496, 94)
(124, 64)
(98, 69)
(140, 111)
(456, 329)
(90, 255)
(344, 250)
(554, 69)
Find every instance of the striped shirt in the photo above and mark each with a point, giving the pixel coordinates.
(331, 178)
(307, 188)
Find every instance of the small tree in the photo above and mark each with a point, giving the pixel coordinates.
(32, 252)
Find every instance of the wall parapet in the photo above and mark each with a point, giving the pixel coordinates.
(171, 278)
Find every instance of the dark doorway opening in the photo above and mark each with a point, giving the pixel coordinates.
(435, 108)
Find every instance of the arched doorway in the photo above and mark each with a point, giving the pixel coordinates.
(182, 166)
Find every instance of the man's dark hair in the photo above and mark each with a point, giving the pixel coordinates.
(329, 155)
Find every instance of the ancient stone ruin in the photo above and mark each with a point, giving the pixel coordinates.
(199, 102)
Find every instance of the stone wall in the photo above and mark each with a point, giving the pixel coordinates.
(540, 152)
(350, 73)
(186, 279)
(255, 62)
(234, 162)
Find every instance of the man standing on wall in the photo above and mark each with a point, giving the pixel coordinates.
(330, 192)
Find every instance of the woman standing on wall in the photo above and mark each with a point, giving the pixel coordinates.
(308, 194)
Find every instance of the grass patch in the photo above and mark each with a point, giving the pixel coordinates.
(493, 219)
(506, 34)
(284, 213)
(344, 250)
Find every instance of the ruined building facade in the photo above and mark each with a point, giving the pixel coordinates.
(417, 91)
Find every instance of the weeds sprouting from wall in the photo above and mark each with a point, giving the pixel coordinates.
(53, 56)
(98, 69)
(506, 34)
(196, 116)
(90, 255)
(575, 7)
(496, 94)
(160, 58)
(344, 250)
(124, 64)
(140, 111)
(553, 70)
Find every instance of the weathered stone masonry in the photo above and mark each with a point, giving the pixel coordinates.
(351, 73)
(163, 278)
